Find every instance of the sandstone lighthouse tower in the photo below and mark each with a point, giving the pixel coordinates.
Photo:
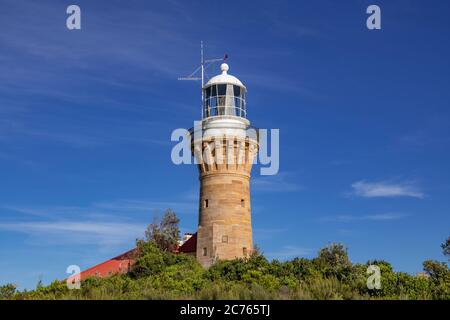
(224, 146)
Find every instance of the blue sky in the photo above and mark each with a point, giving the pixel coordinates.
(86, 118)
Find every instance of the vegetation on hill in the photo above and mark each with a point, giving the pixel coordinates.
(160, 274)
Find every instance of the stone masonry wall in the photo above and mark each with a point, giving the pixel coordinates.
(225, 230)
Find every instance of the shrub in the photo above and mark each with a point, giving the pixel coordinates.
(233, 270)
(301, 268)
(333, 261)
(150, 260)
(7, 291)
(159, 274)
(439, 278)
(185, 276)
(323, 289)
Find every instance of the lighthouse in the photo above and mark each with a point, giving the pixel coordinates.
(224, 146)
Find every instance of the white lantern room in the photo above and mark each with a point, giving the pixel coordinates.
(224, 95)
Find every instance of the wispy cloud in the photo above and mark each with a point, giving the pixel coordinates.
(104, 224)
(83, 136)
(367, 217)
(268, 233)
(115, 55)
(48, 211)
(291, 28)
(277, 83)
(433, 133)
(288, 252)
(386, 189)
(89, 232)
(276, 183)
(181, 207)
(112, 209)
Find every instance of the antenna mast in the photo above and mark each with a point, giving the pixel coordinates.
(203, 63)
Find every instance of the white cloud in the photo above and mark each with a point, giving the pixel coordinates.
(385, 216)
(386, 189)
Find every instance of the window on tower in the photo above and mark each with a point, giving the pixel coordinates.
(205, 203)
(205, 252)
(237, 91)
(208, 93)
(221, 89)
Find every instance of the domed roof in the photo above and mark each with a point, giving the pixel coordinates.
(224, 78)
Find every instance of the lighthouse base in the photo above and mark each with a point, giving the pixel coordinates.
(224, 230)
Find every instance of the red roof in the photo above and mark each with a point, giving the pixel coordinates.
(119, 264)
(190, 245)
(122, 263)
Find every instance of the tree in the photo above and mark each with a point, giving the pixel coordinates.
(435, 268)
(166, 234)
(440, 279)
(334, 254)
(7, 291)
(446, 247)
(334, 260)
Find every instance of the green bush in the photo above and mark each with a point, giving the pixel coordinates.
(324, 289)
(333, 261)
(7, 291)
(439, 279)
(185, 277)
(160, 274)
